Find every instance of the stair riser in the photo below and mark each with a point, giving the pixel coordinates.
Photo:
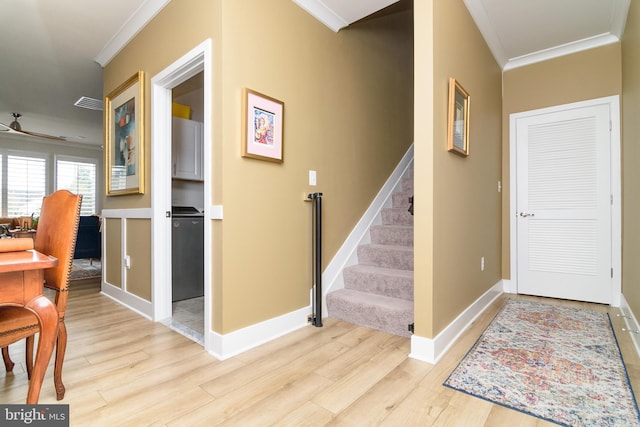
(387, 257)
(378, 292)
(407, 185)
(400, 216)
(401, 199)
(392, 321)
(381, 284)
(388, 235)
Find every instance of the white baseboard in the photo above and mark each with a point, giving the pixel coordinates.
(509, 286)
(631, 322)
(431, 350)
(132, 302)
(347, 254)
(236, 342)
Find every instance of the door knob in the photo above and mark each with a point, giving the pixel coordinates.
(526, 214)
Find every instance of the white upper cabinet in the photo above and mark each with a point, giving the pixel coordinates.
(187, 149)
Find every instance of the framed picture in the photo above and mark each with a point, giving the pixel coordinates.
(124, 134)
(262, 126)
(458, 122)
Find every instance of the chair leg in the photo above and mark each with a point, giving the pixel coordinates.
(8, 364)
(61, 348)
(29, 355)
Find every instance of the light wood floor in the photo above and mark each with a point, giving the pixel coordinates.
(124, 370)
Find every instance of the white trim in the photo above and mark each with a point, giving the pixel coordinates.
(129, 300)
(322, 13)
(347, 254)
(509, 287)
(631, 323)
(216, 212)
(139, 213)
(487, 29)
(562, 50)
(234, 343)
(619, 18)
(161, 99)
(431, 350)
(129, 29)
(117, 293)
(616, 206)
(616, 188)
(198, 59)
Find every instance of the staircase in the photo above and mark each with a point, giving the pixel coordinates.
(378, 291)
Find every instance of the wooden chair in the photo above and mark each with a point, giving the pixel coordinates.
(56, 236)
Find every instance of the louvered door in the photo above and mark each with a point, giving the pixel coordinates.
(563, 204)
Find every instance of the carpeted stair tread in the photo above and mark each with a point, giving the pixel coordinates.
(383, 313)
(388, 256)
(378, 280)
(401, 235)
(396, 216)
(378, 291)
(401, 199)
(407, 185)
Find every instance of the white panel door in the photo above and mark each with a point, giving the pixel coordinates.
(563, 204)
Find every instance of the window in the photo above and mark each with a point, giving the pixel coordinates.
(26, 185)
(79, 177)
(27, 176)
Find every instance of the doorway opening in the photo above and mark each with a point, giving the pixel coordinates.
(187, 209)
(186, 81)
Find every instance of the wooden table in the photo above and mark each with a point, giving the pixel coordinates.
(24, 233)
(21, 285)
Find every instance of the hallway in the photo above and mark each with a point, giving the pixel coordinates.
(122, 369)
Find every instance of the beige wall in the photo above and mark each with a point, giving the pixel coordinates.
(348, 115)
(138, 277)
(582, 76)
(461, 209)
(631, 158)
(113, 251)
(423, 179)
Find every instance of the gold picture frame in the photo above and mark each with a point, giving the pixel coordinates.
(458, 119)
(262, 127)
(124, 137)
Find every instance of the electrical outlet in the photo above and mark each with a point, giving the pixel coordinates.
(481, 263)
(312, 178)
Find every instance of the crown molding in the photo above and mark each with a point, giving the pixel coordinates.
(322, 13)
(562, 50)
(481, 18)
(476, 8)
(128, 31)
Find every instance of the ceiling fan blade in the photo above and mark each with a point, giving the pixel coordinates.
(43, 135)
(9, 129)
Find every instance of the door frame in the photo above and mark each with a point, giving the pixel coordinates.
(613, 102)
(199, 59)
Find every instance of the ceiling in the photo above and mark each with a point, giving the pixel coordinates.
(49, 52)
(53, 51)
(520, 32)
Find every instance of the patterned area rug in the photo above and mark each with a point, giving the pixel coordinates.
(85, 269)
(560, 364)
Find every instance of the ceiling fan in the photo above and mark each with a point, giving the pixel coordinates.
(15, 128)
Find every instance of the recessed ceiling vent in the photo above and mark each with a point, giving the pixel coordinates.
(89, 103)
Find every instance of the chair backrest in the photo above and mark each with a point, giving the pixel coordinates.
(56, 235)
